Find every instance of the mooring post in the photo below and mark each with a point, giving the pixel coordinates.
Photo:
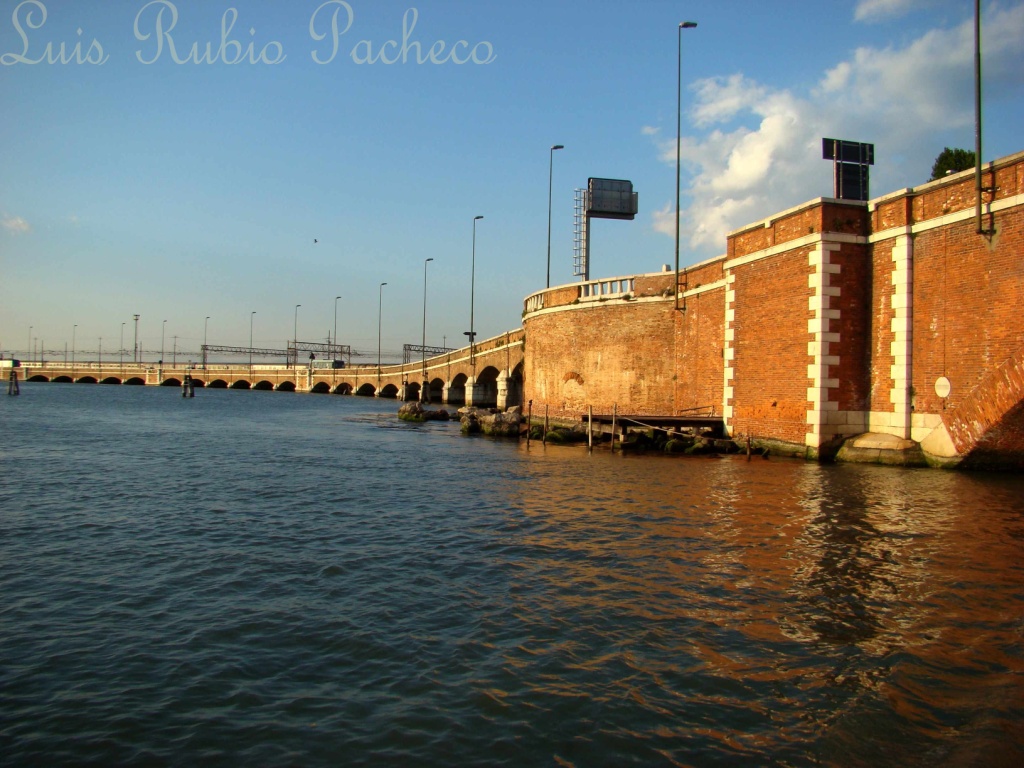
(615, 412)
(529, 421)
(544, 437)
(748, 446)
(12, 385)
(590, 427)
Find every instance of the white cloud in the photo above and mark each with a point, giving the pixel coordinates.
(873, 10)
(762, 152)
(16, 225)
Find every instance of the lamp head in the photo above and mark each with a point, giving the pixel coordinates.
(687, 24)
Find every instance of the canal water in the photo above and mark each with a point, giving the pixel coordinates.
(272, 579)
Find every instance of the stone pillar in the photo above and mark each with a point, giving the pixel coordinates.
(504, 390)
(823, 344)
(473, 392)
(902, 334)
(425, 392)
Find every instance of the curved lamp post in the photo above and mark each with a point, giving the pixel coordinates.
(424, 391)
(679, 119)
(551, 165)
(380, 306)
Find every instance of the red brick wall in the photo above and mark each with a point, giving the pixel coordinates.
(770, 358)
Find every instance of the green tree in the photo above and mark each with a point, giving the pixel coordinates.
(952, 161)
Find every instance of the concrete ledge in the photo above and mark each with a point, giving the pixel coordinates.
(878, 448)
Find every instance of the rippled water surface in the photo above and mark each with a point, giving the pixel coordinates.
(272, 579)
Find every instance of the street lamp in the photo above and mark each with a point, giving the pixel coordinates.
(551, 165)
(335, 323)
(163, 333)
(380, 306)
(679, 119)
(424, 394)
(135, 344)
(251, 316)
(472, 291)
(295, 334)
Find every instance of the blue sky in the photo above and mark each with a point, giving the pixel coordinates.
(182, 190)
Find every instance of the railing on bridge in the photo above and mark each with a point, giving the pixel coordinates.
(591, 290)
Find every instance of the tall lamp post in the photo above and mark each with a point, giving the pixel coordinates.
(551, 166)
(121, 350)
(163, 334)
(206, 326)
(424, 391)
(295, 335)
(73, 329)
(380, 307)
(679, 122)
(28, 349)
(135, 344)
(472, 291)
(251, 316)
(335, 323)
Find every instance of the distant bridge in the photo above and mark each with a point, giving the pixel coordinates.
(486, 374)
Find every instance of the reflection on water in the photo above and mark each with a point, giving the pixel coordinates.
(280, 579)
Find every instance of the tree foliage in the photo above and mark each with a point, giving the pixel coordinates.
(952, 161)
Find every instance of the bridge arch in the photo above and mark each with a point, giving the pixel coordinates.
(61, 379)
(135, 381)
(343, 389)
(286, 386)
(110, 380)
(484, 390)
(37, 377)
(263, 386)
(389, 391)
(321, 388)
(455, 392)
(218, 384)
(242, 384)
(170, 382)
(435, 391)
(366, 390)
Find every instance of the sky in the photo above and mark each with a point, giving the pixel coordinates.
(204, 159)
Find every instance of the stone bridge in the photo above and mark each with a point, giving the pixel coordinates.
(486, 374)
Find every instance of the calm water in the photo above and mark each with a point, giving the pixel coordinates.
(274, 579)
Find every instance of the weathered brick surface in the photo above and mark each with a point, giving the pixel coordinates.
(770, 357)
(966, 323)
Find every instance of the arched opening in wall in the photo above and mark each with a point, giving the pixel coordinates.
(515, 386)
(412, 391)
(241, 384)
(485, 394)
(286, 386)
(457, 390)
(198, 384)
(135, 381)
(263, 386)
(390, 391)
(366, 390)
(343, 389)
(84, 380)
(321, 388)
(435, 392)
(61, 379)
(111, 380)
(171, 382)
(37, 377)
(218, 384)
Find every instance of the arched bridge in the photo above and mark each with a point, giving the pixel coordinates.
(486, 374)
